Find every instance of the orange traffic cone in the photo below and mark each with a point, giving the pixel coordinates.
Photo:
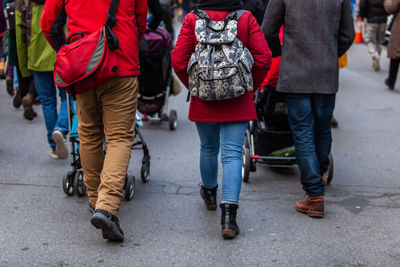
(358, 38)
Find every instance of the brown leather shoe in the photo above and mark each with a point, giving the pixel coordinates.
(312, 206)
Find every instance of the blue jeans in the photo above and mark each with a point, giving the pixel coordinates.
(229, 136)
(310, 118)
(47, 92)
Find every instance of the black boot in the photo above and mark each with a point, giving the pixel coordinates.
(209, 195)
(228, 220)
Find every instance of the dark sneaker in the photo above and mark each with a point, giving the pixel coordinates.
(10, 86)
(29, 114)
(230, 229)
(389, 85)
(17, 99)
(61, 147)
(109, 224)
(209, 196)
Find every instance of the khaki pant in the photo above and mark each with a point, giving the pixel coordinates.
(375, 37)
(108, 111)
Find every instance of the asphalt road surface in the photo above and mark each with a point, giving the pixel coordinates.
(167, 224)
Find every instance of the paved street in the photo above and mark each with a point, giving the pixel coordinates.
(167, 224)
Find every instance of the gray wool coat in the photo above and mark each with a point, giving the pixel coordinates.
(393, 7)
(315, 34)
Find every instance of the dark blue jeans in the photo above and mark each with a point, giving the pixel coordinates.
(310, 118)
(47, 92)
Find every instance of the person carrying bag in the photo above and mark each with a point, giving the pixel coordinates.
(103, 47)
(221, 55)
(88, 61)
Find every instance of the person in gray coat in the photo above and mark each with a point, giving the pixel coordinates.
(315, 34)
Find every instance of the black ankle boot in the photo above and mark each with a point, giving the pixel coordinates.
(209, 195)
(228, 220)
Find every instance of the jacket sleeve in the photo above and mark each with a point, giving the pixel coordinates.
(21, 30)
(391, 6)
(346, 30)
(184, 48)
(259, 49)
(273, 74)
(52, 23)
(157, 12)
(273, 20)
(141, 17)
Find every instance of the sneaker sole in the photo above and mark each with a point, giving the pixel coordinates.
(108, 229)
(61, 147)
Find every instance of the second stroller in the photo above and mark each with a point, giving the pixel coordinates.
(269, 140)
(155, 80)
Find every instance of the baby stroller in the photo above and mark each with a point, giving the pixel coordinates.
(155, 80)
(73, 180)
(269, 140)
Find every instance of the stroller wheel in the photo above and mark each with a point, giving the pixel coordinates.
(129, 187)
(145, 172)
(330, 169)
(80, 188)
(245, 164)
(67, 184)
(173, 120)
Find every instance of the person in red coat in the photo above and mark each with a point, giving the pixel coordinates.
(108, 112)
(221, 124)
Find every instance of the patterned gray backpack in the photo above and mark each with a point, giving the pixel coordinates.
(220, 67)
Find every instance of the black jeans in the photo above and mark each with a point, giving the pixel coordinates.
(393, 69)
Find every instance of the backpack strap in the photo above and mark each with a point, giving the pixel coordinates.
(113, 41)
(235, 15)
(201, 14)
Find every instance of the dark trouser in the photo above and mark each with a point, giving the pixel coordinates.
(26, 85)
(393, 69)
(167, 18)
(310, 118)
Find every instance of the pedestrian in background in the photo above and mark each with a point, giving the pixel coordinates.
(109, 110)
(376, 17)
(315, 34)
(393, 7)
(35, 56)
(221, 124)
(168, 16)
(156, 11)
(256, 7)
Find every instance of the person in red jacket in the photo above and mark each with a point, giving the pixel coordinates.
(222, 123)
(109, 110)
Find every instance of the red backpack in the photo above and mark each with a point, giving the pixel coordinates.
(84, 63)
